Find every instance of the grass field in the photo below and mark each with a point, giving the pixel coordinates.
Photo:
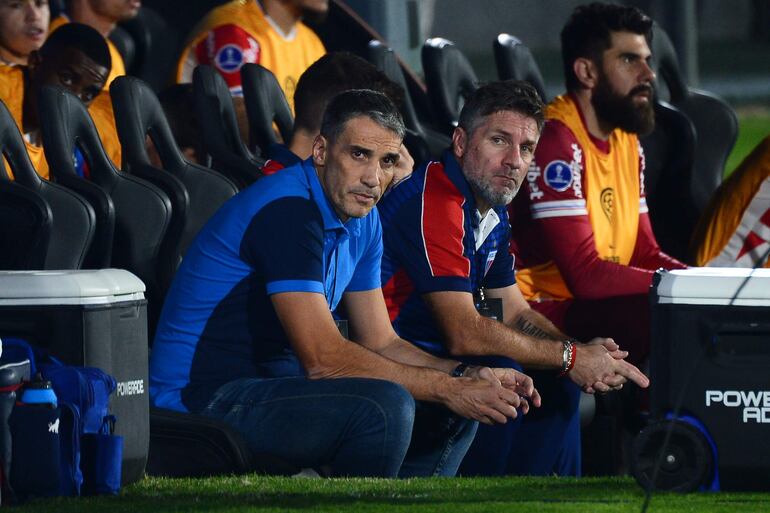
(456, 495)
(754, 126)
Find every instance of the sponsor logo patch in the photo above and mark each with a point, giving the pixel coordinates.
(135, 387)
(532, 175)
(558, 175)
(753, 405)
(229, 58)
(607, 198)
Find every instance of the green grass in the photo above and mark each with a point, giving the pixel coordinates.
(455, 495)
(754, 126)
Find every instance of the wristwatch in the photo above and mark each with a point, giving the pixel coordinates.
(459, 370)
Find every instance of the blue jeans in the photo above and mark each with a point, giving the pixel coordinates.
(355, 426)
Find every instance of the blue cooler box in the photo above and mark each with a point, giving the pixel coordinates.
(92, 318)
(710, 351)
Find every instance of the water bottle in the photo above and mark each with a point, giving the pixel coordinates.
(9, 380)
(39, 391)
(36, 469)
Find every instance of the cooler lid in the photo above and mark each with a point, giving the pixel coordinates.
(715, 286)
(86, 287)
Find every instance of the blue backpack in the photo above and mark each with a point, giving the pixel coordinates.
(75, 438)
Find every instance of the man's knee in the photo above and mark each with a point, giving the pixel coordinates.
(379, 429)
(393, 402)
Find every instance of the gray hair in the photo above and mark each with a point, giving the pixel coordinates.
(360, 102)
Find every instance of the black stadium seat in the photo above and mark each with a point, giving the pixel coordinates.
(26, 228)
(125, 44)
(129, 113)
(139, 114)
(265, 105)
(422, 143)
(142, 210)
(669, 154)
(715, 122)
(515, 61)
(219, 128)
(73, 219)
(157, 45)
(450, 79)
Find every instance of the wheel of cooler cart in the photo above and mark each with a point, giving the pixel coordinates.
(686, 462)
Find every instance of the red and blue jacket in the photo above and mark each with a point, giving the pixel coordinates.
(428, 223)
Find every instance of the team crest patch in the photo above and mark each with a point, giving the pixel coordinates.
(490, 261)
(229, 58)
(558, 175)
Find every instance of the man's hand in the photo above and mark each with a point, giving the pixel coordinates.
(511, 379)
(611, 346)
(404, 167)
(600, 367)
(485, 400)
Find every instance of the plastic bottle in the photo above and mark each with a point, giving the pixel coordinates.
(39, 391)
(9, 380)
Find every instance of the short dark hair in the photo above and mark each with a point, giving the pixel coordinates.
(360, 102)
(331, 74)
(515, 95)
(588, 33)
(81, 37)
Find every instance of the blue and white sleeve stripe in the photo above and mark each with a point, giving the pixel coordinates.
(561, 208)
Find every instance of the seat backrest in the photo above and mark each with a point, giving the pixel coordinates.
(515, 61)
(157, 46)
(670, 85)
(73, 219)
(449, 78)
(385, 59)
(715, 122)
(25, 232)
(125, 44)
(142, 210)
(265, 104)
(219, 127)
(417, 139)
(131, 115)
(139, 114)
(669, 153)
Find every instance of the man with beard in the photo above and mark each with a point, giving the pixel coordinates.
(581, 233)
(102, 15)
(446, 268)
(266, 32)
(23, 29)
(247, 333)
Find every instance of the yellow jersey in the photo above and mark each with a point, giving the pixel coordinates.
(239, 32)
(571, 178)
(12, 94)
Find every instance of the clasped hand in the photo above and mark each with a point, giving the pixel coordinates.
(494, 395)
(600, 366)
